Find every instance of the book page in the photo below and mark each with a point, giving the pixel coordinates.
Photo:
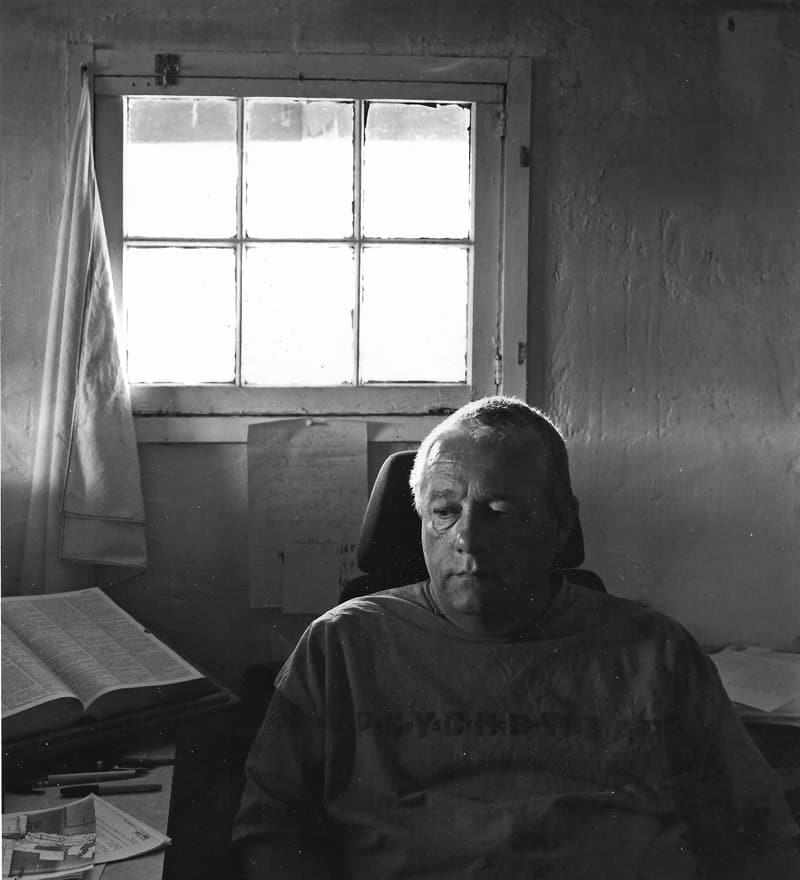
(92, 644)
(26, 681)
(307, 490)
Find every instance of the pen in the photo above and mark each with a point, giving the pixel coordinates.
(129, 761)
(72, 791)
(90, 776)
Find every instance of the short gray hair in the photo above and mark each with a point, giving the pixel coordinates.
(508, 420)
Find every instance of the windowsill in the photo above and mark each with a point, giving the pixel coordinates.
(366, 400)
(233, 429)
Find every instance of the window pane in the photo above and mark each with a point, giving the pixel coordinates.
(181, 313)
(416, 179)
(298, 169)
(297, 314)
(181, 168)
(414, 313)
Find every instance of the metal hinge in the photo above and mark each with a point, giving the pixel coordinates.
(167, 68)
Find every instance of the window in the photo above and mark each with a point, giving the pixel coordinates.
(300, 241)
(290, 244)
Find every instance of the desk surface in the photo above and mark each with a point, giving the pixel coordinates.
(152, 808)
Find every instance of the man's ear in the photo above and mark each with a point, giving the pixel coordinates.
(566, 523)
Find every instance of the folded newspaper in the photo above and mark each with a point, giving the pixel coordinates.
(72, 841)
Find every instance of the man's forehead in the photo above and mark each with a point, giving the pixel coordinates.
(457, 454)
(458, 445)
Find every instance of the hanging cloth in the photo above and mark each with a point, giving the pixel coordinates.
(86, 508)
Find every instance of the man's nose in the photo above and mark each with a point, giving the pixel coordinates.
(471, 532)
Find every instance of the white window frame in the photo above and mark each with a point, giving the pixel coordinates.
(501, 90)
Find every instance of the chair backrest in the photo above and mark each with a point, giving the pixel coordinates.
(389, 547)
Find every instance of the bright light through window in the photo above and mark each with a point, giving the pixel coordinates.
(288, 242)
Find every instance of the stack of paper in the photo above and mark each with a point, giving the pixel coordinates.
(764, 685)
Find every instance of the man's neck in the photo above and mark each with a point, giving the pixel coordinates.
(503, 626)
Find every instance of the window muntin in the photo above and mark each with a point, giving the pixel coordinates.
(324, 208)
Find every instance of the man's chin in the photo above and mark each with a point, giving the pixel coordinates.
(475, 595)
(480, 603)
(474, 581)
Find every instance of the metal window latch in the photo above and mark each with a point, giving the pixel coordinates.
(498, 369)
(167, 68)
(500, 122)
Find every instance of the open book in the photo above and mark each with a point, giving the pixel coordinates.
(76, 655)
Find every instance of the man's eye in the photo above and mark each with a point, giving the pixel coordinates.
(504, 510)
(444, 514)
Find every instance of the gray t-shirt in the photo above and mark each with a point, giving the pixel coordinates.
(598, 743)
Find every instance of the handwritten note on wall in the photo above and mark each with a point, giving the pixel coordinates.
(307, 489)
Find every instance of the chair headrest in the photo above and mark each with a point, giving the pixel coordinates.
(390, 530)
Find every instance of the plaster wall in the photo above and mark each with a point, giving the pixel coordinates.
(664, 315)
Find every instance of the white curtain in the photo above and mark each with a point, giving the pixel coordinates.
(86, 518)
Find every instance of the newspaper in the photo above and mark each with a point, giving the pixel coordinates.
(55, 843)
(73, 841)
(122, 836)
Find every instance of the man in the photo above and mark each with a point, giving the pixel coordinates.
(496, 721)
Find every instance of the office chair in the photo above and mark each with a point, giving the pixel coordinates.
(389, 548)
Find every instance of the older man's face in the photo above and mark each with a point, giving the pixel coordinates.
(488, 532)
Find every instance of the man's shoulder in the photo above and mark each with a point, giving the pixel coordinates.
(355, 627)
(398, 602)
(604, 613)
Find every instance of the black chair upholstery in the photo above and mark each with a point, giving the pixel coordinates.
(389, 547)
